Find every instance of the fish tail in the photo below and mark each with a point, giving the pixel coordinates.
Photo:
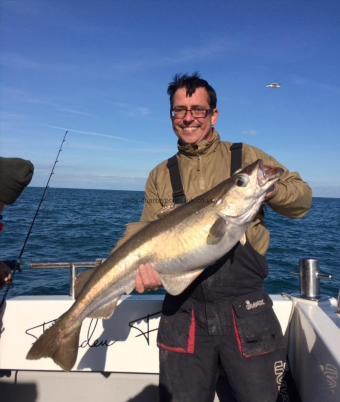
(59, 345)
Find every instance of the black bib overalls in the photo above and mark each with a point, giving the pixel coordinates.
(224, 320)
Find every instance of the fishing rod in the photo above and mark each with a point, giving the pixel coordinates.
(18, 260)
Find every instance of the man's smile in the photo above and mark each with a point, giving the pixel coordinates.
(190, 128)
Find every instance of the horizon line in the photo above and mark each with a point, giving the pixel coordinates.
(141, 191)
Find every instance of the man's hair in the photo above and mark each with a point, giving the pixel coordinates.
(191, 83)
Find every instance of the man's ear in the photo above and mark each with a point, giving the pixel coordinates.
(214, 116)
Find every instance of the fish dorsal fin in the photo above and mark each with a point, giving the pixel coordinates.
(177, 283)
(105, 311)
(131, 229)
(217, 230)
(81, 281)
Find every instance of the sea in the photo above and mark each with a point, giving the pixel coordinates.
(77, 225)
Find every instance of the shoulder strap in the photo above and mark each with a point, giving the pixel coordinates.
(178, 195)
(236, 157)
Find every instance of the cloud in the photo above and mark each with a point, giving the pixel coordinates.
(77, 112)
(249, 133)
(198, 53)
(17, 95)
(5, 115)
(16, 61)
(142, 111)
(306, 82)
(187, 54)
(130, 110)
(206, 51)
(96, 134)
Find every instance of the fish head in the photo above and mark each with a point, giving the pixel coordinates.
(248, 190)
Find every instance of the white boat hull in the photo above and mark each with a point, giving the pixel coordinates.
(118, 358)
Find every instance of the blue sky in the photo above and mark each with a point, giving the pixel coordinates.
(100, 69)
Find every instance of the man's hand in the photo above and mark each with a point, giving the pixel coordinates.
(5, 275)
(271, 192)
(147, 278)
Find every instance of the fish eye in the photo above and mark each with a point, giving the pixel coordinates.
(241, 180)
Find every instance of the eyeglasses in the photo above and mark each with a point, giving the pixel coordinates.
(196, 112)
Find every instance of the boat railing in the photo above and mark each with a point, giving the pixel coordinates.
(71, 266)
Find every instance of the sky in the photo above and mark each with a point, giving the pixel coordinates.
(100, 70)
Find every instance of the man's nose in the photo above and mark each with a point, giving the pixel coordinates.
(188, 116)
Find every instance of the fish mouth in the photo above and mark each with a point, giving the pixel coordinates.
(268, 175)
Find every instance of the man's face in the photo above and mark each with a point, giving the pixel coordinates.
(189, 129)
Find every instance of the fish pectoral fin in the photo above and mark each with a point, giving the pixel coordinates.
(177, 283)
(105, 311)
(217, 230)
(81, 281)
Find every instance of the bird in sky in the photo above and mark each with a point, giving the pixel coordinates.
(274, 85)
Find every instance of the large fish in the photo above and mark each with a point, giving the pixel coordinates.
(179, 244)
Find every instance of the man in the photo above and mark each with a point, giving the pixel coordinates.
(224, 316)
(15, 175)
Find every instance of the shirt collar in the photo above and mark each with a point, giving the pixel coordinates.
(204, 147)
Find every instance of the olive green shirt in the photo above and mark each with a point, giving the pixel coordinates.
(205, 165)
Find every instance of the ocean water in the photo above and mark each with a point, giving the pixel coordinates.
(76, 225)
